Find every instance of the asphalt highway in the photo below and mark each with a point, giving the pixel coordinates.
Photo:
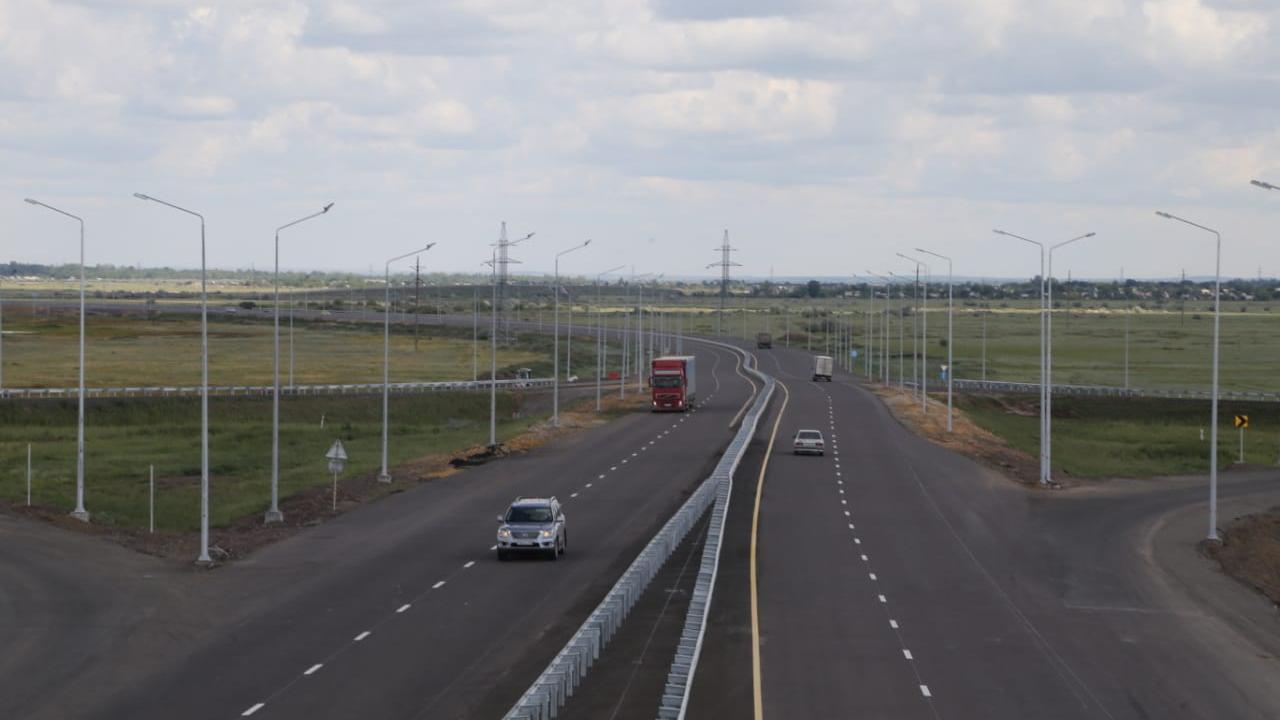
(400, 609)
(899, 580)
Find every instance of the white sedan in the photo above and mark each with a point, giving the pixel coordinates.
(808, 441)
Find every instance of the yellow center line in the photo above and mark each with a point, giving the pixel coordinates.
(757, 695)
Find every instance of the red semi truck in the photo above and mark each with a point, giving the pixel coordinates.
(672, 380)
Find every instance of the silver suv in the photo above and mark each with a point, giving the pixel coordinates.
(533, 525)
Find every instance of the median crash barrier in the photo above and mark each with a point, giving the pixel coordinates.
(553, 688)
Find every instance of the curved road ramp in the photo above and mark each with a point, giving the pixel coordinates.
(564, 674)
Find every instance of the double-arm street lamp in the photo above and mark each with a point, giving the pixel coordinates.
(1213, 412)
(273, 512)
(384, 476)
(924, 332)
(1046, 326)
(79, 513)
(1048, 356)
(951, 368)
(555, 392)
(204, 558)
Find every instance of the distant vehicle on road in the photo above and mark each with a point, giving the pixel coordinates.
(534, 525)
(808, 441)
(764, 341)
(822, 368)
(673, 382)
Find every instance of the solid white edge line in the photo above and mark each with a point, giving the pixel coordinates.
(253, 710)
(312, 670)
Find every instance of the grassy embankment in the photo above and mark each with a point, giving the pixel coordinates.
(126, 351)
(1112, 437)
(125, 436)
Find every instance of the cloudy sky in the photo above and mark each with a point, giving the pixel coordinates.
(825, 135)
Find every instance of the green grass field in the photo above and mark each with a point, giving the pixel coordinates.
(1166, 348)
(126, 436)
(1136, 437)
(132, 350)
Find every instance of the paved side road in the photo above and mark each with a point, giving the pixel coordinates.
(897, 579)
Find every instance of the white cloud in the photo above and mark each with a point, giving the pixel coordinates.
(659, 119)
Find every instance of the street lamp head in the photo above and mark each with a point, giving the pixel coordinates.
(1164, 214)
(428, 247)
(1089, 235)
(30, 201)
(588, 242)
(325, 209)
(1264, 185)
(140, 196)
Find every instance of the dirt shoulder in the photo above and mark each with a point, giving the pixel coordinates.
(315, 505)
(966, 438)
(1250, 551)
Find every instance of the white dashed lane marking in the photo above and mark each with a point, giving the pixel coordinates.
(906, 653)
(893, 624)
(363, 635)
(573, 495)
(882, 599)
(469, 563)
(253, 710)
(312, 670)
(924, 690)
(439, 584)
(403, 607)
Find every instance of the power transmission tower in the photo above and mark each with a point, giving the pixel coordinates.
(503, 271)
(724, 265)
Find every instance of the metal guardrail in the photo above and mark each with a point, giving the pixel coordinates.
(239, 390)
(553, 688)
(995, 386)
(675, 695)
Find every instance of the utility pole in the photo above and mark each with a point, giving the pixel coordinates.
(724, 265)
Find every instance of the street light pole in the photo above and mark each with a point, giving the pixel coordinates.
(555, 392)
(1213, 413)
(384, 476)
(1044, 470)
(79, 512)
(602, 342)
(951, 368)
(1048, 357)
(924, 334)
(273, 512)
(204, 558)
(493, 342)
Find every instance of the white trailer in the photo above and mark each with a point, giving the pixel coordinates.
(822, 368)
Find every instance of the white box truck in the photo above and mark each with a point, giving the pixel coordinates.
(822, 368)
